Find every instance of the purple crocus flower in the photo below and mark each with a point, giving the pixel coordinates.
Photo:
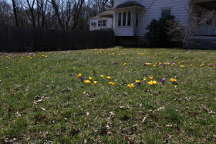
(212, 65)
(163, 80)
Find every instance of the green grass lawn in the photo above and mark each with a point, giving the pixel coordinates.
(108, 96)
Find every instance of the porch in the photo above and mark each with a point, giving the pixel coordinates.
(127, 18)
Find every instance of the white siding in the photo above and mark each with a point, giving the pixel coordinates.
(179, 9)
(109, 24)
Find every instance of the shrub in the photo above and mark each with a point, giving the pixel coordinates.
(164, 32)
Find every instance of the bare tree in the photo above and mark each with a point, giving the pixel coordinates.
(14, 4)
(68, 13)
(42, 6)
(36, 11)
(56, 8)
(5, 12)
(76, 13)
(102, 5)
(31, 10)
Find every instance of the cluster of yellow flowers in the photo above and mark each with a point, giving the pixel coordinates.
(110, 52)
(36, 56)
(79, 75)
(90, 79)
(164, 64)
(179, 64)
(140, 54)
(112, 83)
(131, 85)
(173, 80)
(152, 82)
(30, 57)
(148, 80)
(45, 56)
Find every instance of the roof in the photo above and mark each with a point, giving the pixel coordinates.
(108, 13)
(129, 4)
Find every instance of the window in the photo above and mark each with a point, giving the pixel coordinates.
(124, 19)
(137, 19)
(99, 23)
(104, 22)
(129, 19)
(166, 12)
(93, 24)
(119, 19)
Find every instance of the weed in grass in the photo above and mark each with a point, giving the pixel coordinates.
(152, 139)
(124, 114)
(171, 114)
(17, 128)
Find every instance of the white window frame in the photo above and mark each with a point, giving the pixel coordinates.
(126, 18)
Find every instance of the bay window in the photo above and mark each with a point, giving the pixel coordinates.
(124, 18)
(137, 19)
(129, 19)
(119, 19)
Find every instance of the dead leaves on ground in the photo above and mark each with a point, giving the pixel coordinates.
(39, 99)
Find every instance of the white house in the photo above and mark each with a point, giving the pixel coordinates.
(131, 17)
(102, 21)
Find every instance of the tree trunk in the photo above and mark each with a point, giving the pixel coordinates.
(15, 12)
(56, 9)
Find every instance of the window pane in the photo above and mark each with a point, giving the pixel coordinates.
(93, 24)
(99, 23)
(104, 22)
(129, 18)
(124, 19)
(137, 19)
(119, 19)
